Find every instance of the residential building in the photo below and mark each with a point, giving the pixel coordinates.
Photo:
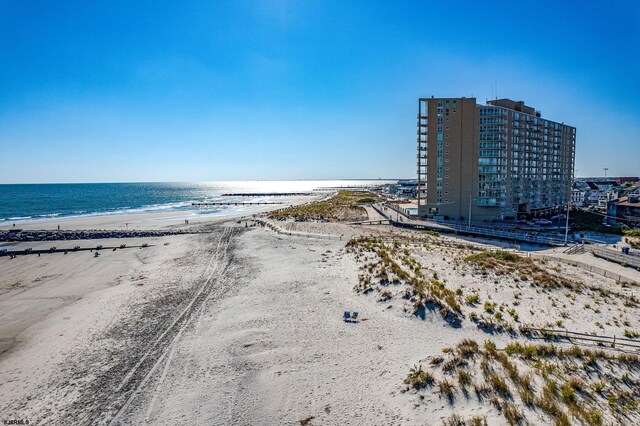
(577, 197)
(627, 189)
(405, 188)
(625, 210)
(605, 197)
(600, 192)
(492, 161)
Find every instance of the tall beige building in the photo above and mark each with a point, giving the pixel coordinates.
(494, 160)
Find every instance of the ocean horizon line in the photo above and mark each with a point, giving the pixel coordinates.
(206, 181)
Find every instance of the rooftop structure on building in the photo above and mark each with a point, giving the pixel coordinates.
(627, 179)
(492, 161)
(617, 179)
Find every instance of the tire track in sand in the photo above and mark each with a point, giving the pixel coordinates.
(136, 380)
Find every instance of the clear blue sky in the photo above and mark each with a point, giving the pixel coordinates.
(239, 90)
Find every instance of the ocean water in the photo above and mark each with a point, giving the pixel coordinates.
(36, 202)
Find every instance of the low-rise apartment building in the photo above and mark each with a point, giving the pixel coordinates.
(625, 210)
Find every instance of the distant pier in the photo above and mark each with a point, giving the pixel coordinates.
(349, 188)
(254, 203)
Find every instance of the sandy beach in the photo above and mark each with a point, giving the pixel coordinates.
(310, 213)
(241, 325)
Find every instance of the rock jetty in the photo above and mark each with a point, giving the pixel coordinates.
(17, 235)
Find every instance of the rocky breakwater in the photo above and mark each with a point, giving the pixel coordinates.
(17, 235)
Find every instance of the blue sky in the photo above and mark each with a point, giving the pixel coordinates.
(243, 90)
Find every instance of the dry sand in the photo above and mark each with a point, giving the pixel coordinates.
(235, 326)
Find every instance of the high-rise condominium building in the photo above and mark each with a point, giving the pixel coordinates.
(491, 161)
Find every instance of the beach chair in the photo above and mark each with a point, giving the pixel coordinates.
(354, 317)
(347, 316)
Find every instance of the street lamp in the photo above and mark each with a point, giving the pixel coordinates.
(566, 226)
(470, 199)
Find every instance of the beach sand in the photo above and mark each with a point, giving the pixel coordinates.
(238, 325)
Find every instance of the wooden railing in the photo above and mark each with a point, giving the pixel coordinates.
(614, 256)
(485, 231)
(575, 249)
(612, 341)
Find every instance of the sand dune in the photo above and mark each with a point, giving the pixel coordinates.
(241, 325)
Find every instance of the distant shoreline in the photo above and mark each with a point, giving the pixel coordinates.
(42, 203)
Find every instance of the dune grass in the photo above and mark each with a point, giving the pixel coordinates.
(345, 206)
(457, 420)
(525, 268)
(570, 385)
(393, 264)
(419, 378)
